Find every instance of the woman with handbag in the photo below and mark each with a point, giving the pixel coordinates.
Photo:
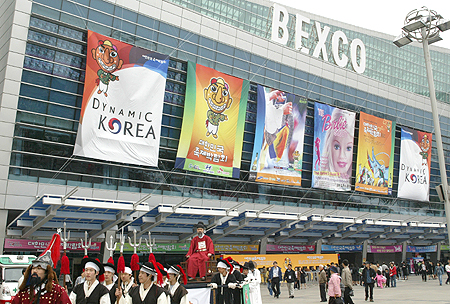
(334, 287)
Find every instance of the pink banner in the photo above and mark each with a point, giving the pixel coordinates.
(384, 249)
(290, 248)
(21, 245)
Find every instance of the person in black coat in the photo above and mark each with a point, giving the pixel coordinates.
(224, 281)
(368, 277)
(237, 293)
(289, 277)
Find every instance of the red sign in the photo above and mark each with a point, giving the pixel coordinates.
(22, 245)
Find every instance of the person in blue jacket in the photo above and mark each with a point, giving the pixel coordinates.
(275, 275)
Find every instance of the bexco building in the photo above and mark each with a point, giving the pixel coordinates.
(275, 127)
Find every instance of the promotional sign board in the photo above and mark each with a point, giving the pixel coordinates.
(284, 259)
(212, 132)
(375, 162)
(420, 249)
(415, 161)
(384, 249)
(279, 136)
(342, 248)
(36, 245)
(334, 131)
(235, 249)
(290, 248)
(158, 248)
(122, 102)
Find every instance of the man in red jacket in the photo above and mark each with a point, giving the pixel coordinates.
(201, 249)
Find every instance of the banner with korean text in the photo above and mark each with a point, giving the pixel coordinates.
(415, 161)
(334, 131)
(122, 102)
(212, 132)
(284, 259)
(375, 161)
(279, 136)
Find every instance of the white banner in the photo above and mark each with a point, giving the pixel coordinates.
(122, 102)
(415, 159)
(199, 295)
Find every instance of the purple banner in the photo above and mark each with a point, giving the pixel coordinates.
(384, 249)
(290, 248)
(22, 245)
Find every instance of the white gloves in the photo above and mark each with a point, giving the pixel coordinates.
(232, 285)
(213, 285)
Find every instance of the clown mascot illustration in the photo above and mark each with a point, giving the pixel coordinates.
(217, 96)
(107, 58)
(424, 147)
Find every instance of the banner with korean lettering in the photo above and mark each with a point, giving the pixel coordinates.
(212, 133)
(284, 259)
(341, 248)
(279, 136)
(384, 249)
(415, 161)
(334, 131)
(375, 161)
(37, 245)
(122, 104)
(272, 248)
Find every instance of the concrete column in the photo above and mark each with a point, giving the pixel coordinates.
(107, 241)
(364, 253)
(319, 247)
(404, 251)
(263, 246)
(3, 220)
(438, 251)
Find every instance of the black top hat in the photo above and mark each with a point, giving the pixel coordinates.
(99, 265)
(200, 225)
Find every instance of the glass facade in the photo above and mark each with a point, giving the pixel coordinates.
(51, 94)
(403, 68)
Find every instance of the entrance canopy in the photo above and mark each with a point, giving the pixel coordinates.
(171, 219)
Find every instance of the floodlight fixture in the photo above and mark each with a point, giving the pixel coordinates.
(402, 40)
(414, 25)
(434, 38)
(443, 25)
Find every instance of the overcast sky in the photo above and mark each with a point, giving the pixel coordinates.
(379, 15)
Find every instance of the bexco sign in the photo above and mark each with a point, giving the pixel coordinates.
(280, 21)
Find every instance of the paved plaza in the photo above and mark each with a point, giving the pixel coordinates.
(410, 291)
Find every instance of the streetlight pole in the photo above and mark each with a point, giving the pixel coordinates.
(424, 26)
(437, 130)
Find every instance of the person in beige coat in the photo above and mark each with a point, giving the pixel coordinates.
(347, 281)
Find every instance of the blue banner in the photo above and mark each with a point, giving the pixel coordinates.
(432, 248)
(342, 248)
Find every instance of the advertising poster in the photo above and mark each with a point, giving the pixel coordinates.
(384, 249)
(334, 131)
(284, 259)
(272, 248)
(415, 160)
(279, 136)
(122, 102)
(375, 165)
(342, 248)
(213, 122)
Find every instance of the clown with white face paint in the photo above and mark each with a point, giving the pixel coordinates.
(91, 289)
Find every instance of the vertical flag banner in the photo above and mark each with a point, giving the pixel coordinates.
(375, 164)
(334, 131)
(122, 102)
(415, 160)
(213, 122)
(279, 136)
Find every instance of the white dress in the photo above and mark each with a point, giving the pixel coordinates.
(254, 278)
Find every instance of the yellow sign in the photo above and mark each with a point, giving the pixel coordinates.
(284, 259)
